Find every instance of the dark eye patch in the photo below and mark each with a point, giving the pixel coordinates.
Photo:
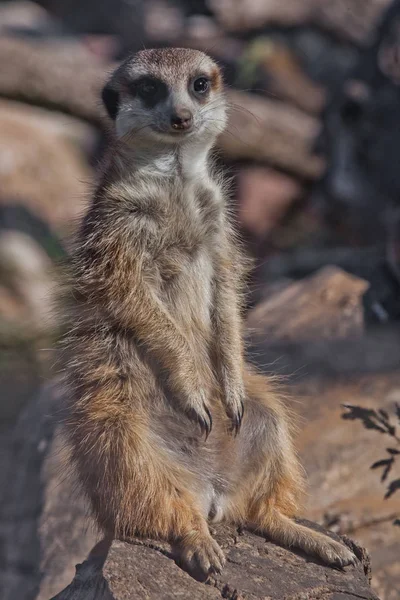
(111, 100)
(149, 89)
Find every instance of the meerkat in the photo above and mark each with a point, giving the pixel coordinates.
(168, 428)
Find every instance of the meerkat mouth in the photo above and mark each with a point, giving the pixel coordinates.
(174, 133)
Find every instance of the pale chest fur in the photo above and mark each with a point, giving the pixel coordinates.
(185, 256)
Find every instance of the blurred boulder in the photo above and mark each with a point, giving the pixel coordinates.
(43, 162)
(121, 18)
(164, 22)
(43, 524)
(45, 179)
(262, 130)
(20, 16)
(263, 198)
(317, 326)
(349, 19)
(253, 14)
(51, 76)
(269, 65)
(26, 270)
(326, 305)
(21, 368)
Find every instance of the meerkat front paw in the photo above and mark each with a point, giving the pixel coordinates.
(200, 555)
(235, 410)
(233, 399)
(335, 553)
(199, 412)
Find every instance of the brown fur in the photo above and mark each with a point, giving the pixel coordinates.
(154, 353)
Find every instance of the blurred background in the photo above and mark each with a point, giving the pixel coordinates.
(313, 150)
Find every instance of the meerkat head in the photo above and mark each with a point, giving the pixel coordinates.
(166, 95)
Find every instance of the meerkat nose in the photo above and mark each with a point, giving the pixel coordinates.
(182, 119)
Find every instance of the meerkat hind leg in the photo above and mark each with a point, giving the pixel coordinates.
(179, 521)
(142, 493)
(283, 530)
(272, 482)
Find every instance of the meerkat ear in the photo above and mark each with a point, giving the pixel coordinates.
(110, 98)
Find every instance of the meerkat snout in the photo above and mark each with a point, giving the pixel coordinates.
(182, 119)
(167, 96)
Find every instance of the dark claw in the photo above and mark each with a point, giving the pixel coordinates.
(205, 425)
(210, 423)
(237, 421)
(215, 570)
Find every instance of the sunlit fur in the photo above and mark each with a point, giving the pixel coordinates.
(154, 344)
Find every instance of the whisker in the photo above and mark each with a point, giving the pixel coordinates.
(228, 133)
(230, 106)
(239, 108)
(130, 134)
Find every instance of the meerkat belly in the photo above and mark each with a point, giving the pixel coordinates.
(212, 480)
(187, 288)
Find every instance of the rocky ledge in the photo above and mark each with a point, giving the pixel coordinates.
(255, 569)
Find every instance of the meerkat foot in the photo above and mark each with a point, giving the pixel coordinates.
(286, 532)
(200, 555)
(334, 553)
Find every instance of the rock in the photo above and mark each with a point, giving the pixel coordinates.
(269, 64)
(253, 14)
(344, 492)
(254, 569)
(266, 131)
(43, 162)
(326, 305)
(350, 19)
(45, 178)
(203, 33)
(121, 18)
(354, 20)
(48, 75)
(22, 15)
(27, 271)
(44, 528)
(316, 327)
(263, 198)
(164, 22)
(21, 369)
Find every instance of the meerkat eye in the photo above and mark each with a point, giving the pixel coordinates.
(201, 85)
(149, 90)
